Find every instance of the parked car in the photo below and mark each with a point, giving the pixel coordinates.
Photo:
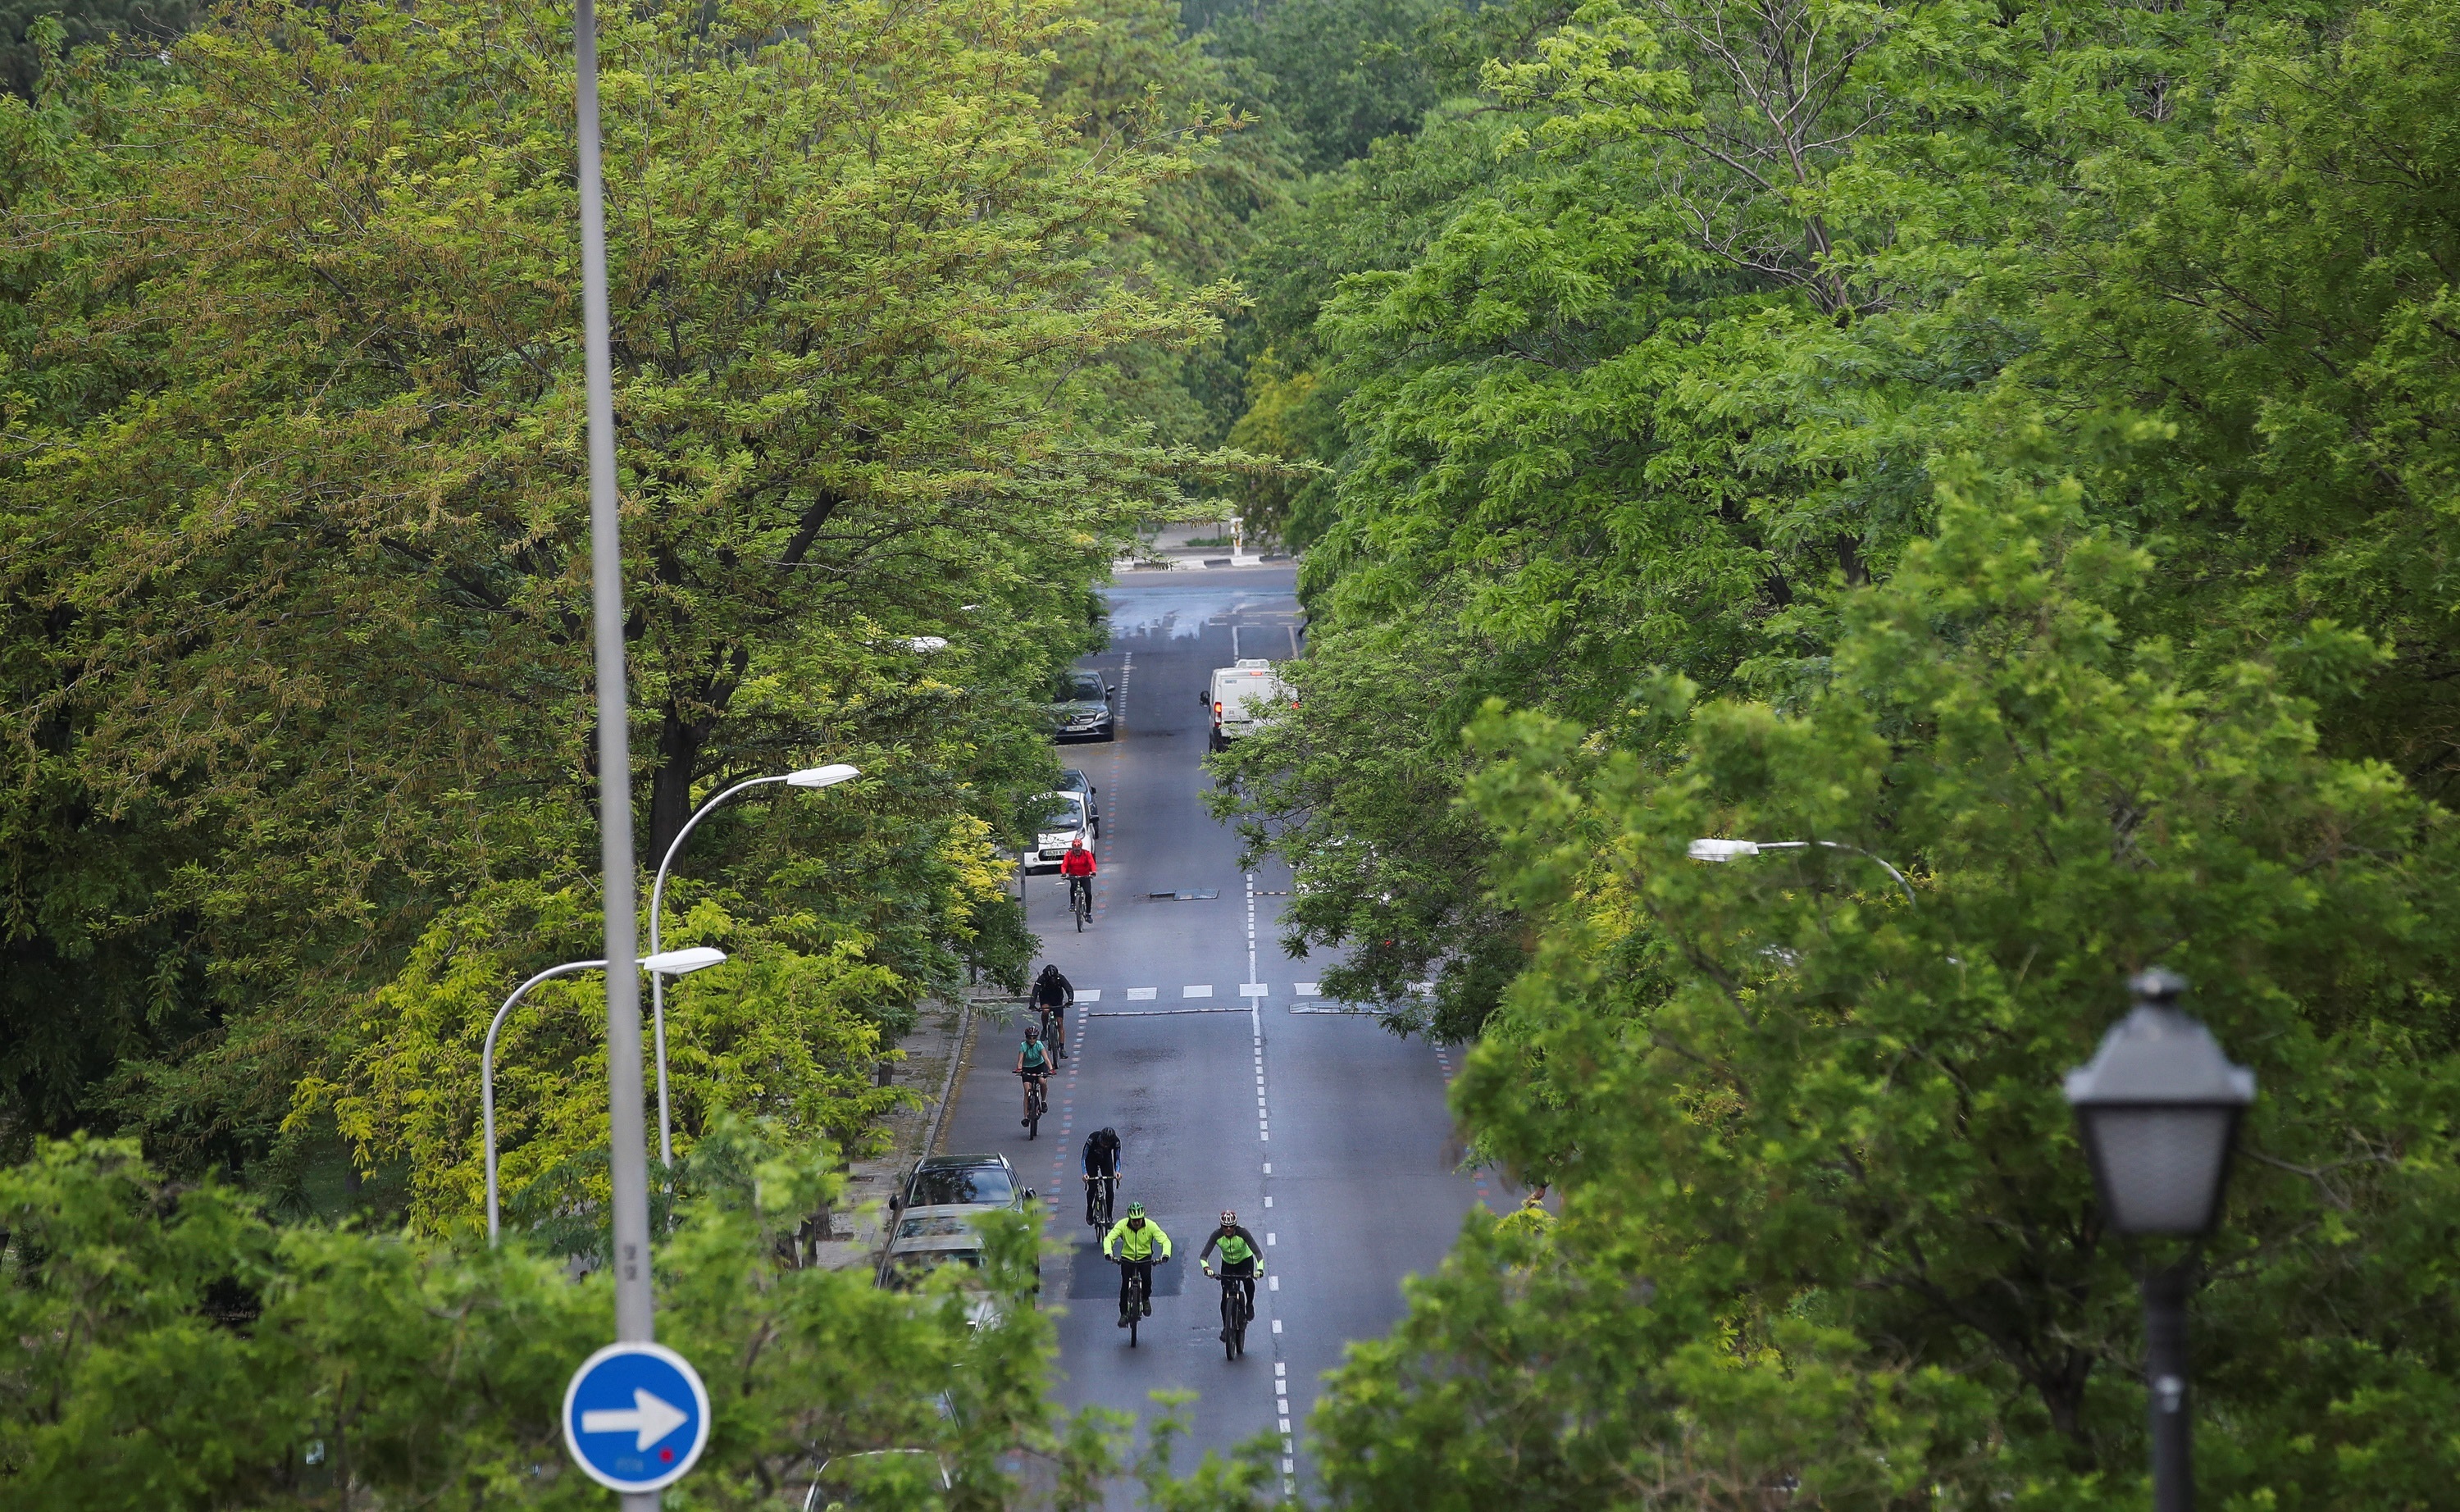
(933, 1221)
(1074, 781)
(1065, 818)
(1083, 712)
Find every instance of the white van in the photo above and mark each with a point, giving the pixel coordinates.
(1244, 696)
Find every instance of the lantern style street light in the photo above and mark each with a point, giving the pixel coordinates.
(817, 776)
(674, 962)
(1736, 849)
(2159, 1109)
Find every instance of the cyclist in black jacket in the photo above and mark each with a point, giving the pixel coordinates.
(1101, 1160)
(1055, 995)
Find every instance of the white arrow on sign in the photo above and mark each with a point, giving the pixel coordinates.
(650, 1416)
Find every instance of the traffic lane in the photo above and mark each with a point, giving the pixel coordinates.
(1366, 1183)
(1187, 1126)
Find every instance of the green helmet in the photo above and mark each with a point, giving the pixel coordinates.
(1136, 1209)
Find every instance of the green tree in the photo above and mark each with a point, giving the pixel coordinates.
(170, 1348)
(1825, 1223)
(294, 513)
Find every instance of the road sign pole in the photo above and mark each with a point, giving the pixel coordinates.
(627, 1157)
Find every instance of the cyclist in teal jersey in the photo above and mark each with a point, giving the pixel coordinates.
(1033, 1064)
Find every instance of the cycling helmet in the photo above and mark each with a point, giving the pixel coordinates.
(1228, 1218)
(1136, 1209)
(1033, 1032)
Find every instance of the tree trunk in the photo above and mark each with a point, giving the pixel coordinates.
(671, 786)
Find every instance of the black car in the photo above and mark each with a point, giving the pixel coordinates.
(1083, 709)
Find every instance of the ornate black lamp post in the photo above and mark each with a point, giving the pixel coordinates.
(2160, 1110)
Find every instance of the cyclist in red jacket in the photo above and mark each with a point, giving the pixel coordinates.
(1077, 867)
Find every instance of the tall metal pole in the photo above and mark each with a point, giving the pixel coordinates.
(627, 1162)
(2165, 1374)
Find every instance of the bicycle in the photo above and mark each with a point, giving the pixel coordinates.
(1100, 1192)
(1037, 1102)
(1054, 1027)
(1080, 900)
(1139, 1301)
(1237, 1310)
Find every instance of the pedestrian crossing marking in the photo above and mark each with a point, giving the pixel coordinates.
(1205, 991)
(1143, 994)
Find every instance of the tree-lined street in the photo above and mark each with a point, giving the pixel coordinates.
(1328, 1134)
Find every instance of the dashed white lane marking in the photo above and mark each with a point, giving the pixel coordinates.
(1141, 994)
(1275, 1281)
(1277, 1322)
(1269, 1238)
(1306, 989)
(1253, 990)
(1205, 990)
(1092, 994)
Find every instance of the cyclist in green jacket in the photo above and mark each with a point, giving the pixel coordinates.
(1135, 1239)
(1240, 1259)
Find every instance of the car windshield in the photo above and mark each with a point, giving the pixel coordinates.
(908, 1271)
(950, 1185)
(1088, 687)
(1062, 811)
(938, 1225)
(1074, 780)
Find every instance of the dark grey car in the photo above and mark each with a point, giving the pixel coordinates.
(1083, 712)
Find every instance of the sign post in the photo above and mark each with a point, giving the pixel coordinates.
(635, 1417)
(626, 1157)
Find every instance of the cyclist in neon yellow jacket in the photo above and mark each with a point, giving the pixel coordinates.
(1134, 1239)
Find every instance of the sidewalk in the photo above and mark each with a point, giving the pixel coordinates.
(934, 1068)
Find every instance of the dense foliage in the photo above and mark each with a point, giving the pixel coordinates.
(2015, 441)
(295, 520)
(2012, 441)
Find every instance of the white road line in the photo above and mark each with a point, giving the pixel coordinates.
(1205, 991)
(1275, 1280)
(1143, 994)
(1306, 989)
(1277, 1322)
(1272, 1239)
(1090, 995)
(1253, 990)
(1251, 927)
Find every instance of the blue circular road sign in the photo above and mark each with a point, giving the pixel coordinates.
(635, 1416)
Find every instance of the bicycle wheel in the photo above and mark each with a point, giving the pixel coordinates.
(1034, 1105)
(1229, 1322)
(1136, 1309)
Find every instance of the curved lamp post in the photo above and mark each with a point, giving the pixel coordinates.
(674, 963)
(1736, 849)
(2159, 1109)
(817, 776)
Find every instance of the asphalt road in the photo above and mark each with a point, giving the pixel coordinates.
(1326, 1133)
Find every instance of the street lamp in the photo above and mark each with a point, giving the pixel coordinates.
(674, 963)
(2158, 1109)
(816, 776)
(1736, 849)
